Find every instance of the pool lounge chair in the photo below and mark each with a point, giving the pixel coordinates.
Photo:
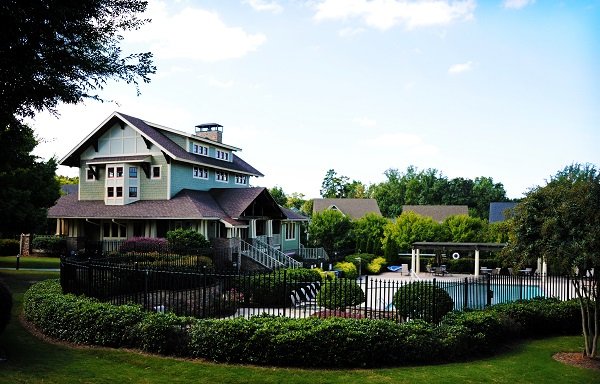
(394, 268)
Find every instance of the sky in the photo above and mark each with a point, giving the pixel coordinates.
(502, 89)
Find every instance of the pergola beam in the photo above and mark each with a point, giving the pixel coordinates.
(448, 246)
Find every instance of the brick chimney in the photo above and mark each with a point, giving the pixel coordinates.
(211, 131)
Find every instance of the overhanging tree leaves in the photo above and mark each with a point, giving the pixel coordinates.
(330, 229)
(55, 51)
(560, 222)
(51, 52)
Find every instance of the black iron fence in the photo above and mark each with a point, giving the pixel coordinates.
(186, 286)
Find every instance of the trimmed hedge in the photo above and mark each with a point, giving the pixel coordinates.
(311, 342)
(422, 300)
(347, 268)
(9, 247)
(53, 245)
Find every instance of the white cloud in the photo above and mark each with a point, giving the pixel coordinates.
(193, 33)
(460, 68)
(265, 6)
(517, 4)
(385, 14)
(364, 122)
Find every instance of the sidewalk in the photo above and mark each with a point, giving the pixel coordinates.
(31, 269)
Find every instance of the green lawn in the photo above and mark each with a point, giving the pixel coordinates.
(29, 262)
(31, 360)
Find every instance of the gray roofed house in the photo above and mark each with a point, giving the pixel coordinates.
(438, 213)
(141, 179)
(352, 208)
(500, 211)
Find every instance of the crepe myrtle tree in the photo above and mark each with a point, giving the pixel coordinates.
(560, 222)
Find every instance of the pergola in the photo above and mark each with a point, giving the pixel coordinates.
(442, 246)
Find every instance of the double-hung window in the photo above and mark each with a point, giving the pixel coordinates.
(200, 173)
(222, 176)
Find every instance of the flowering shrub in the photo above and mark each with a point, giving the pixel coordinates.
(143, 244)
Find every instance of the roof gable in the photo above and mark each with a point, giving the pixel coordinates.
(166, 145)
(353, 208)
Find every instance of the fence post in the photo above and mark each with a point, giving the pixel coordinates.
(204, 291)
(520, 287)
(366, 295)
(466, 294)
(489, 292)
(433, 300)
(146, 290)
(284, 291)
(90, 276)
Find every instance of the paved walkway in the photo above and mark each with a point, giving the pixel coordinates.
(32, 269)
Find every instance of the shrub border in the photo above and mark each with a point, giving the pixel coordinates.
(279, 341)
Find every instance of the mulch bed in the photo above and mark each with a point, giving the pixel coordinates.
(577, 359)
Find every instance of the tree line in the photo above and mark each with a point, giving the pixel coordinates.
(411, 187)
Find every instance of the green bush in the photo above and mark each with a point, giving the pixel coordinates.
(422, 300)
(9, 247)
(275, 288)
(6, 303)
(339, 294)
(311, 342)
(163, 333)
(543, 317)
(54, 245)
(365, 259)
(375, 266)
(348, 270)
(186, 241)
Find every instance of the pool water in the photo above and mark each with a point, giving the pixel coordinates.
(502, 293)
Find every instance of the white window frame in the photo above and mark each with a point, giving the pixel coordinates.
(241, 179)
(200, 173)
(159, 172)
(133, 189)
(222, 177)
(290, 231)
(110, 170)
(222, 155)
(129, 168)
(200, 149)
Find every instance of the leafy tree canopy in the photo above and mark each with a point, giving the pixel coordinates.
(330, 229)
(29, 185)
(279, 196)
(338, 186)
(55, 51)
(367, 232)
(560, 222)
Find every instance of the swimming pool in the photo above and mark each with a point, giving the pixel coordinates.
(476, 294)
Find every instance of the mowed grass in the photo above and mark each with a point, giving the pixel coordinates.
(31, 360)
(29, 262)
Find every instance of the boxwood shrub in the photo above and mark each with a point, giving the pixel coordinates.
(279, 341)
(340, 294)
(348, 269)
(422, 300)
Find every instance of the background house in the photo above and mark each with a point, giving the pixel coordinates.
(140, 179)
(500, 211)
(352, 208)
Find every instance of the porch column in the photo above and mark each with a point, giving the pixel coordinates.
(58, 226)
(412, 261)
(252, 229)
(476, 262)
(269, 228)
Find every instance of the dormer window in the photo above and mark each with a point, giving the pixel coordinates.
(200, 149)
(222, 155)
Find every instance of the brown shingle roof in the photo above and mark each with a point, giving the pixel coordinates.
(437, 212)
(227, 204)
(168, 145)
(353, 208)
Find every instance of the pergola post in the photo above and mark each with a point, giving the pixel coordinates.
(418, 262)
(476, 262)
(412, 260)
